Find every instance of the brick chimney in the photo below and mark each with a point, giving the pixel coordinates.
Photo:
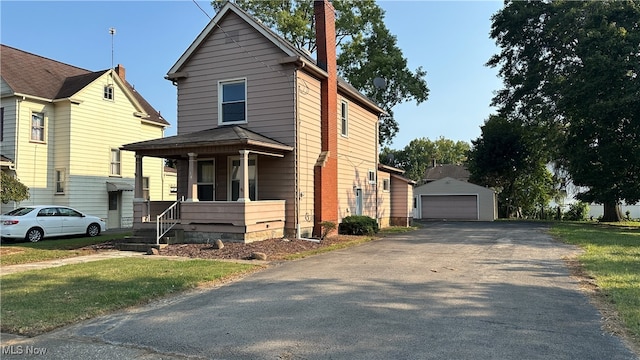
(326, 169)
(121, 72)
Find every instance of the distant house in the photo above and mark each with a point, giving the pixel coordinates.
(441, 171)
(270, 143)
(61, 129)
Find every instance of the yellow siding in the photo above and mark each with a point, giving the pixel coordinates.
(78, 140)
(384, 200)
(357, 155)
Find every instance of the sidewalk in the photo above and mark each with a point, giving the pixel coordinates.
(103, 255)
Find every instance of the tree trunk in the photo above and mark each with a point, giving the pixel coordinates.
(612, 212)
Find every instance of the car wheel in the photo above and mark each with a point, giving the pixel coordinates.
(93, 230)
(34, 235)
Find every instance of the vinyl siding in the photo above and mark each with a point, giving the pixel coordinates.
(35, 160)
(309, 146)
(384, 200)
(9, 103)
(357, 154)
(270, 86)
(97, 126)
(79, 138)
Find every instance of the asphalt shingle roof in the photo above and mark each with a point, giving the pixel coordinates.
(35, 75)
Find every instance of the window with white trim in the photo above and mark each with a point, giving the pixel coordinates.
(37, 126)
(344, 118)
(385, 185)
(145, 188)
(232, 101)
(234, 178)
(114, 166)
(60, 181)
(372, 177)
(206, 180)
(108, 92)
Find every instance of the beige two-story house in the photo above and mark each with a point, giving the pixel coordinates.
(61, 131)
(270, 142)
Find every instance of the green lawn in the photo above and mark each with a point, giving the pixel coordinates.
(49, 249)
(38, 301)
(612, 257)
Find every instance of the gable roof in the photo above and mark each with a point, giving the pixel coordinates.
(439, 171)
(34, 75)
(458, 186)
(292, 54)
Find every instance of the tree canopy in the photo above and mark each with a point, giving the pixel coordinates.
(573, 67)
(366, 49)
(508, 158)
(420, 153)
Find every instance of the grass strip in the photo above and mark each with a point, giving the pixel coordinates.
(38, 301)
(50, 249)
(612, 257)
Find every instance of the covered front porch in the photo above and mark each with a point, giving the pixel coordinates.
(219, 194)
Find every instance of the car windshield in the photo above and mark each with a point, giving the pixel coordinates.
(19, 211)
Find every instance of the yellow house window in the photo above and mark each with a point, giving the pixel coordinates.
(115, 162)
(108, 92)
(60, 181)
(145, 188)
(37, 126)
(385, 185)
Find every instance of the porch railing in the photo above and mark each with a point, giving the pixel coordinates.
(167, 220)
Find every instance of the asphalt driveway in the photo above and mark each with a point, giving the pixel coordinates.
(448, 291)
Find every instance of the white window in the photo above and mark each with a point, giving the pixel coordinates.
(232, 102)
(206, 180)
(385, 185)
(234, 178)
(145, 188)
(108, 92)
(344, 118)
(37, 126)
(114, 169)
(60, 181)
(372, 177)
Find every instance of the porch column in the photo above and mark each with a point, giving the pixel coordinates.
(243, 193)
(192, 188)
(137, 191)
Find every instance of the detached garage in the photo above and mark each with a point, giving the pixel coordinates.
(451, 199)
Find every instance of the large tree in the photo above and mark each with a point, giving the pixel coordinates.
(366, 49)
(574, 66)
(419, 154)
(508, 158)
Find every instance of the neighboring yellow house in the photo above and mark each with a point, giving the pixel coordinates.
(61, 131)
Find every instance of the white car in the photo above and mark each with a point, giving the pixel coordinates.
(35, 223)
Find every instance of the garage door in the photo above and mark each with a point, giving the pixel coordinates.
(451, 207)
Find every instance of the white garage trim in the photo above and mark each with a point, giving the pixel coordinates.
(449, 206)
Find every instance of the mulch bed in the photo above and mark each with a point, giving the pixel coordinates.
(275, 249)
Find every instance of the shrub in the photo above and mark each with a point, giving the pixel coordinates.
(358, 225)
(578, 211)
(327, 227)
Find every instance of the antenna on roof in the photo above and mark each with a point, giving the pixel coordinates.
(112, 31)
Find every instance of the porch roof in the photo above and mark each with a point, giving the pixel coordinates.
(223, 138)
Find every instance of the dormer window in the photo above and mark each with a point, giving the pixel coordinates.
(108, 92)
(232, 102)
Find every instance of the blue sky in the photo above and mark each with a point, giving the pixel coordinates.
(449, 39)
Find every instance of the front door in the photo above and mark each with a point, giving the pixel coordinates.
(358, 202)
(113, 220)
